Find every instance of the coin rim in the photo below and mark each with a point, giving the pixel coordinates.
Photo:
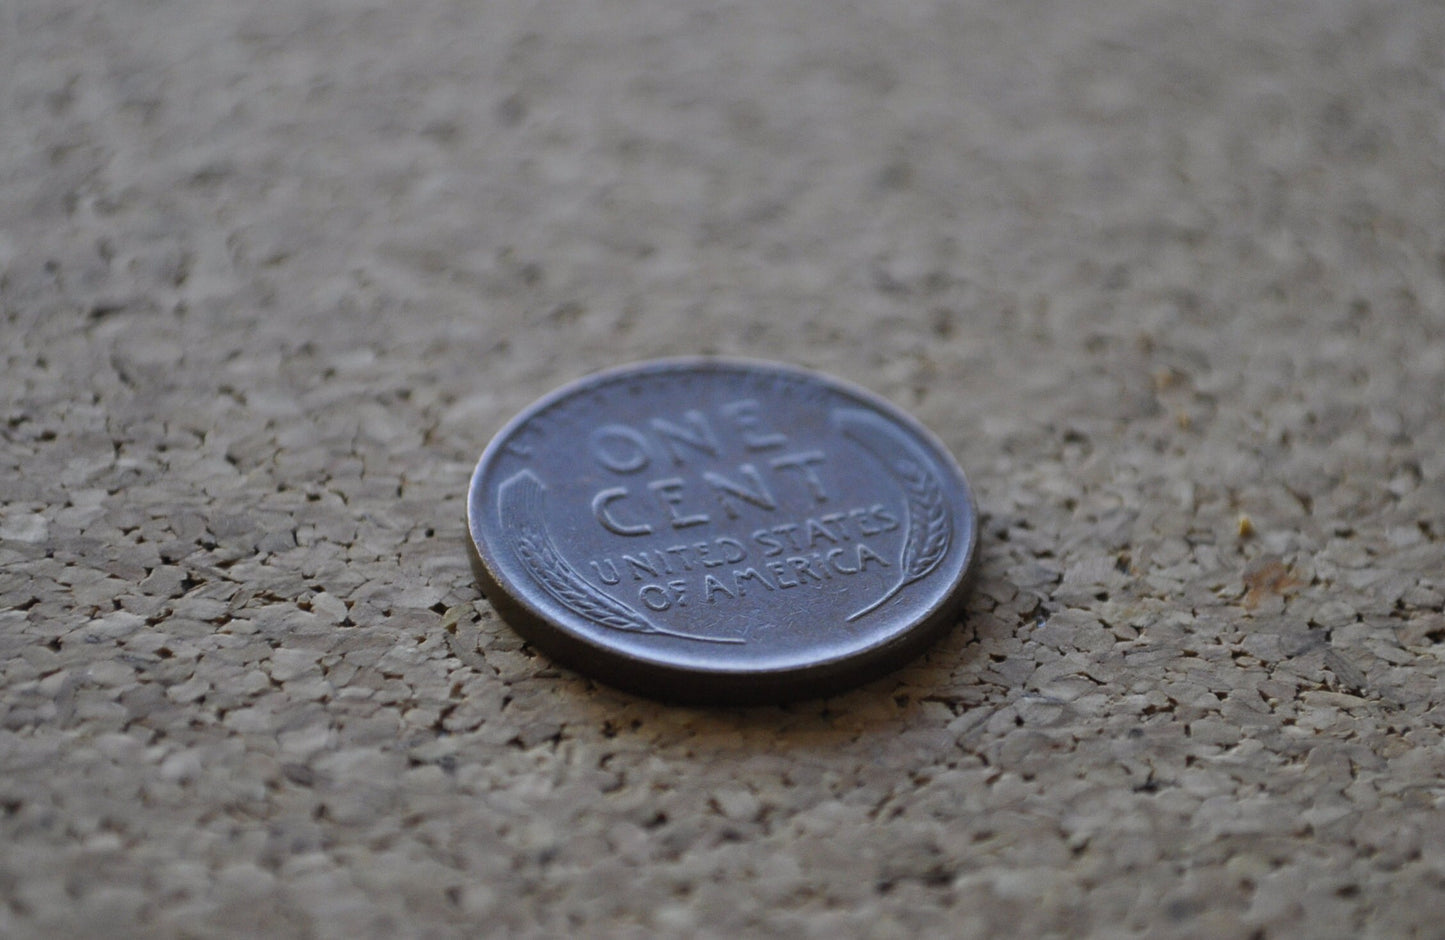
(741, 685)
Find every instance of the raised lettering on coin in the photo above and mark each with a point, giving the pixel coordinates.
(723, 531)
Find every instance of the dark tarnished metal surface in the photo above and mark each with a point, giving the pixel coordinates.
(721, 531)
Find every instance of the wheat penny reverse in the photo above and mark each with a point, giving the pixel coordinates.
(721, 531)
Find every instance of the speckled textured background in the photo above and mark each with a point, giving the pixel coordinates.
(1169, 282)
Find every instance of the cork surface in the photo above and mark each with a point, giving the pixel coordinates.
(1170, 283)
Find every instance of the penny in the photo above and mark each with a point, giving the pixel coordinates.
(721, 531)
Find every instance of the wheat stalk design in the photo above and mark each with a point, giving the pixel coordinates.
(930, 524)
(519, 502)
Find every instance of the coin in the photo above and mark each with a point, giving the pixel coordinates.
(723, 531)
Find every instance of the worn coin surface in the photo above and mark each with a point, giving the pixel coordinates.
(721, 531)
